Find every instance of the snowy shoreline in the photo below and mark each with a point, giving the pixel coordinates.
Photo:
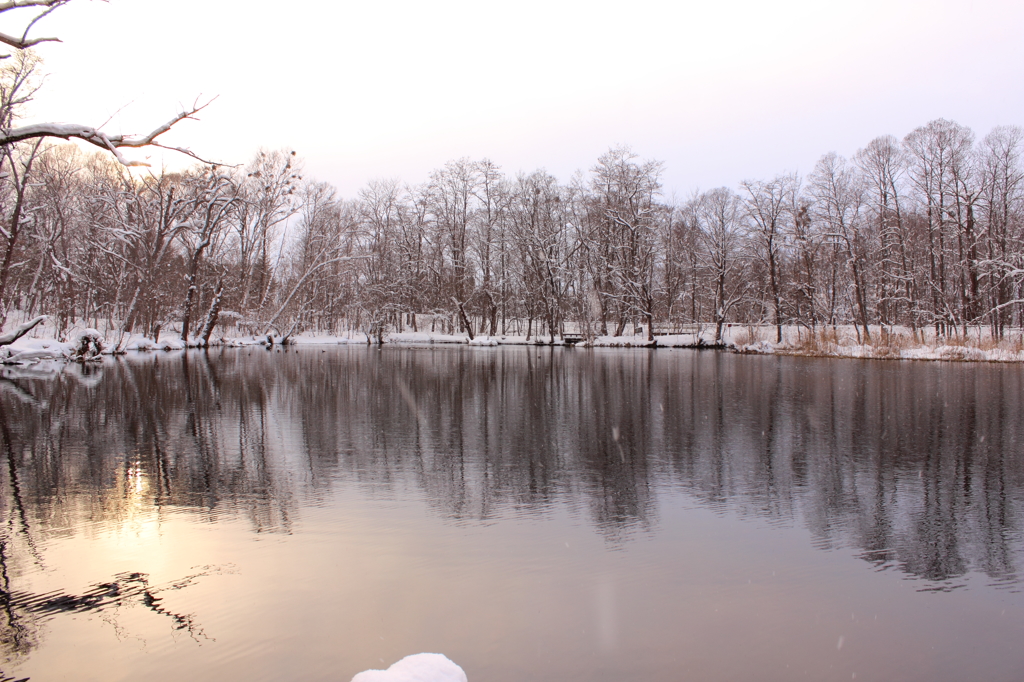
(40, 343)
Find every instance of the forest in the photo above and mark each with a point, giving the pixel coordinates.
(921, 233)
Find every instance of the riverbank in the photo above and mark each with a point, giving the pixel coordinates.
(41, 343)
(895, 343)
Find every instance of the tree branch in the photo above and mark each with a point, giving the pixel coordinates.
(110, 143)
(67, 131)
(17, 4)
(24, 42)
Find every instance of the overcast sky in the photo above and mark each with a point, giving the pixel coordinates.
(719, 91)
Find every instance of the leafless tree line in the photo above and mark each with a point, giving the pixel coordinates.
(926, 232)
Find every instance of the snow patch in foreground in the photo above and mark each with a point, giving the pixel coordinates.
(416, 668)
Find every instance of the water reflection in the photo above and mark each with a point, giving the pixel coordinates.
(919, 467)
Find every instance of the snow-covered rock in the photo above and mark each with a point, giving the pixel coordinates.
(87, 344)
(416, 668)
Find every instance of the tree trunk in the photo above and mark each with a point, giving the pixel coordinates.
(212, 316)
(465, 320)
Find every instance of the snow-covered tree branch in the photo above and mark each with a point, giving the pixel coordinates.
(98, 138)
(113, 144)
(20, 331)
(23, 42)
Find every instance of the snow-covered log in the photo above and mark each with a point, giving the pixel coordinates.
(12, 336)
(33, 355)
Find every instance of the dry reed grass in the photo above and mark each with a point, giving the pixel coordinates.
(1012, 343)
(748, 336)
(820, 341)
(885, 342)
(890, 343)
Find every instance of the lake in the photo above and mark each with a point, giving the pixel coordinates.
(533, 513)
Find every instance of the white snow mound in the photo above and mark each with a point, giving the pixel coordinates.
(416, 668)
(483, 341)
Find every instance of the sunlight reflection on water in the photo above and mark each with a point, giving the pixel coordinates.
(561, 514)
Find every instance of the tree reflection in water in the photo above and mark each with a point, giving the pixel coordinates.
(918, 466)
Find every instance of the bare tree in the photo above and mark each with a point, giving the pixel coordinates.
(1002, 202)
(57, 248)
(215, 197)
(382, 271)
(807, 248)
(623, 193)
(450, 194)
(153, 215)
(18, 83)
(110, 143)
(268, 197)
(940, 153)
(680, 264)
(20, 142)
(17, 170)
(839, 202)
(766, 206)
(716, 219)
(883, 164)
(492, 198)
(325, 239)
(540, 237)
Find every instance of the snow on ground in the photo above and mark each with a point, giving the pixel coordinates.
(41, 344)
(483, 341)
(862, 351)
(166, 342)
(25, 349)
(895, 344)
(425, 337)
(620, 342)
(416, 668)
(355, 338)
(695, 340)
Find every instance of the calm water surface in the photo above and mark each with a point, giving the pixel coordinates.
(535, 514)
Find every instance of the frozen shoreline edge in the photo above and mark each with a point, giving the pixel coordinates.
(27, 351)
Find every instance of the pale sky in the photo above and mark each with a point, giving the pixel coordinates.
(718, 91)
